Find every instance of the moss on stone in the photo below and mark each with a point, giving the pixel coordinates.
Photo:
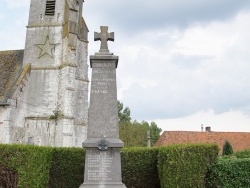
(10, 66)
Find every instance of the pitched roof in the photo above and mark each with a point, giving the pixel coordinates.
(238, 140)
(10, 70)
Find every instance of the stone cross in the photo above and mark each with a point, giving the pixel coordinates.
(104, 37)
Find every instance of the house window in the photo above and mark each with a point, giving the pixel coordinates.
(50, 7)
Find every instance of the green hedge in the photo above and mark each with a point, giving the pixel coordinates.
(178, 166)
(243, 154)
(185, 165)
(30, 162)
(67, 168)
(139, 167)
(229, 173)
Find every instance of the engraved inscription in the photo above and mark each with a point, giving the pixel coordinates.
(103, 79)
(103, 65)
(99, 167)
(98, 71)
(96, 91)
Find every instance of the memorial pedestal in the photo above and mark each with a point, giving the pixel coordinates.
(102, 169)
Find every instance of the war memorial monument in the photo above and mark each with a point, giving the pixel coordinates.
(103, 161)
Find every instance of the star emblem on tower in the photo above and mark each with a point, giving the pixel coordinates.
(47, 48)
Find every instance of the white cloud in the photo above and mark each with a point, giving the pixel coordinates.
(231, 121)
(215, 38)
(133, 16)
(195, 69)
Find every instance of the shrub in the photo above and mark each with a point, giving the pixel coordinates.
(243, 154)
(227, 148)
(185, 165)
(139, 167)
(31, 163)
(229, 173)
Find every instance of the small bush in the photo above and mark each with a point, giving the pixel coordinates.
(139, 167)
(185, 165)
(227, 148)
(229, 173)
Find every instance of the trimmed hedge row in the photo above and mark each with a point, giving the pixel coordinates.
(67, 168)
(243, 154)
(31, 163)
(139, 167)
(185, 165)
(39, 167)
(229, 173)
(178, 166)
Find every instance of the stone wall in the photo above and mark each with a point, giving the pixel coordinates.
(4, 124)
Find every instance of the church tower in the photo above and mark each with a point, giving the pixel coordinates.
(53, 104)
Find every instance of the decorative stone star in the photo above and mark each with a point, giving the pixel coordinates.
(46, 48)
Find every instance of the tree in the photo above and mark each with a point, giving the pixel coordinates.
(134, 134)
(227, 148)
(154, 132)
(123, 114)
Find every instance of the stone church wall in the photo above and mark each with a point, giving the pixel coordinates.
(4, 124)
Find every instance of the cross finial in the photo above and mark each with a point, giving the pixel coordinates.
(104, 37)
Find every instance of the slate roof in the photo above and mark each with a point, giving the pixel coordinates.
(10, 70)
(238, 140)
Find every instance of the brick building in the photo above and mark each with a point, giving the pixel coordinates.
(238, 140)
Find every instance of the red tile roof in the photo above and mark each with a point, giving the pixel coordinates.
(238, 140)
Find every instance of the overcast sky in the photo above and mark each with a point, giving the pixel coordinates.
(182, 63)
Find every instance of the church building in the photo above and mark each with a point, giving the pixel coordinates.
(44, 88)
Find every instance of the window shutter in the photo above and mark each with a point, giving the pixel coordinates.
(50, 7)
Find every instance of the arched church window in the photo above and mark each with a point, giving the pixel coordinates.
(50, 7)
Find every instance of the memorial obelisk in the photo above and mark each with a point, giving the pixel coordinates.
(103, 161)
